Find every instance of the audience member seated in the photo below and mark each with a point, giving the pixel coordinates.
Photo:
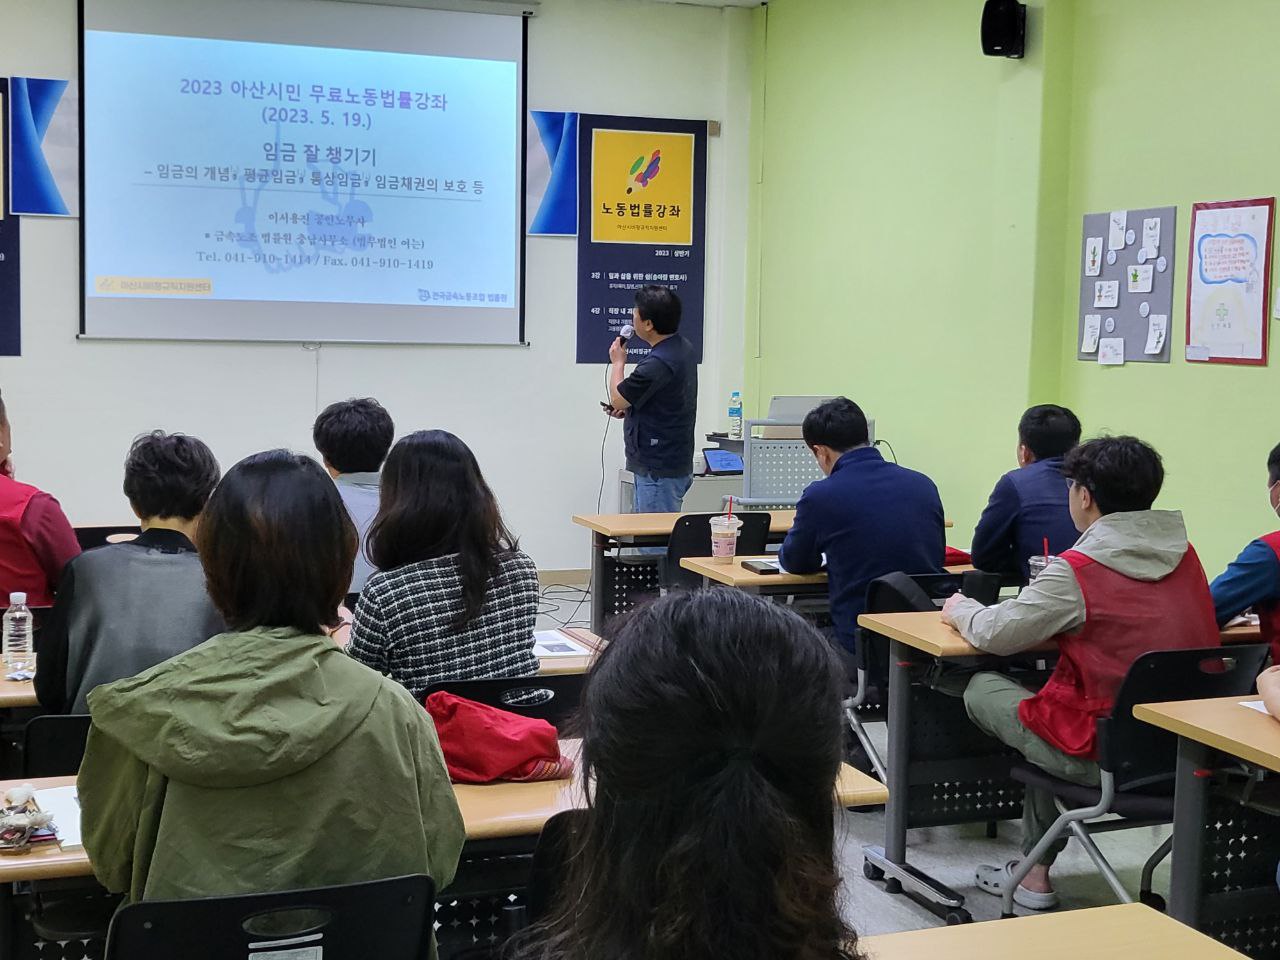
(454, 598)
(265, 759)
(36, 540)
(1029, 505)
(125, 607)
(868, 517)
(1132, 583)
(353, 437)
(710, 832)
(1253, 578)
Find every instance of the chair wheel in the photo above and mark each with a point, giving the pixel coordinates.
(1153, 900)
(871, 871)
(956, 917)
(892, 885)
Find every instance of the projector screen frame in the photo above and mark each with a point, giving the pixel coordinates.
(522, 240)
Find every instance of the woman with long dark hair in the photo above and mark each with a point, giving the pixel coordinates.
(712, 739)
(454, 598)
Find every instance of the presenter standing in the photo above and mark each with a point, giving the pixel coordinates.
(657, 403)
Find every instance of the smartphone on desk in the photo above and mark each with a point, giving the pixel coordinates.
(763, 567)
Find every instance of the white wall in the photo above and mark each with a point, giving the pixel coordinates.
(530, 414)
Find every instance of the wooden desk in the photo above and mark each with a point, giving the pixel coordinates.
(1126, 932)
(489, 811)
(14, 693)
(1207, 730)
(635, 526)
(1221, 724)
(732, 574)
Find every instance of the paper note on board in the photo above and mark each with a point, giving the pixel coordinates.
(1157, 330)
(1116, 226)
(1139, 276)
(1111, 351)
(1151, 235)
(1106, 293)
(1092, 256)
(1197, 352)
(1092, 330)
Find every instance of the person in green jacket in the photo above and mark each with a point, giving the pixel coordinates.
(266, 759)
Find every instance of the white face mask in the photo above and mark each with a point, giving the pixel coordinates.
(1274, 509)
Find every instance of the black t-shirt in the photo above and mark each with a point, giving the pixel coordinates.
(663, 393)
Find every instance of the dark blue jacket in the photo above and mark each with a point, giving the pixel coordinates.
(1026, 506)
(1252, 578)
(869, 518)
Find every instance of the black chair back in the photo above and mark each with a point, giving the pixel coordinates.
(550, 860)
(691, 537)
(551, 698)
(387, 919)
(1139, 754)
(53, 745)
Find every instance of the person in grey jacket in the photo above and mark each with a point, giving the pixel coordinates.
(125, 607)
(1131, 584)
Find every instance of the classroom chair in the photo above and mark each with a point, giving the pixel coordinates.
(77, 908)
(336, 922)
(1137, 760)
(900, 593)
(691, 537)
(552, 698)
(90, 537)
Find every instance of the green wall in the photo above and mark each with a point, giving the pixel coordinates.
(916, 227)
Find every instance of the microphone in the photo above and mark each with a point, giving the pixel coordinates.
(625, 334)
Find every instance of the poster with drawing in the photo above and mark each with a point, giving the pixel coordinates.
(1228, 279)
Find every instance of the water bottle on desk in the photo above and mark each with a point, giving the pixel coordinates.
(735, 415)
(17, 635)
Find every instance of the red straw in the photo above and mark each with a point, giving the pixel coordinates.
(1046, 548)
(1046, 542)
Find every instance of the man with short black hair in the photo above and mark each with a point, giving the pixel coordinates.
(659, 402)
(1131, 584)
(868, 517)
(1029, 505)
(1253, 578)
(36, 539)
(125, 607)
(353, 437)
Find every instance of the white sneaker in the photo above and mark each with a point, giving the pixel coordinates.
(994, 880)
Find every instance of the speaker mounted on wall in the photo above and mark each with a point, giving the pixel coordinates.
(1004, 29)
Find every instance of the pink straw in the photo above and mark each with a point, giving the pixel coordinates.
(1046, 548)
(1046, 542)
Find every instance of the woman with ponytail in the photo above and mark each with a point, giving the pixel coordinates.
(711, 732)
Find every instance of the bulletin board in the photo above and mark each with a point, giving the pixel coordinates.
(1228, 281)
(1126, 286)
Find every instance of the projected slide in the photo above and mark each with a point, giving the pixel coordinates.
(221, 170)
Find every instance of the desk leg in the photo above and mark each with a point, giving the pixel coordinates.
(890, 861)
(6, 920)
(599, 545)
(1190, 802)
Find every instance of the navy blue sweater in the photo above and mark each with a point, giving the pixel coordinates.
(869, 518)
(1026, 506)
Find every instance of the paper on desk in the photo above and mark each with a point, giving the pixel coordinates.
(553, 643)
(63, 805)
(1256, 705)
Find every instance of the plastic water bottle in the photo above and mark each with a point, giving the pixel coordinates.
(735, 415)
(17, 634)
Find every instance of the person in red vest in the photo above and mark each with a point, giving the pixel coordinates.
(1253, 578)
(1131, 584)
(36, 540)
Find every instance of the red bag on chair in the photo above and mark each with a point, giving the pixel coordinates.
(955, 557)
(482, 743)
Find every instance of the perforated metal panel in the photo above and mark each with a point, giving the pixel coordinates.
(944, 739)
(778, 469)
(468, 922)
(628, 582)
(1241, 847)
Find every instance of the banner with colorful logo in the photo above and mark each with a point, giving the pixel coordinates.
(642, 219)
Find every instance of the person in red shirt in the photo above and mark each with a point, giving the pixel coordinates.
(1132, 583)
(36, 539)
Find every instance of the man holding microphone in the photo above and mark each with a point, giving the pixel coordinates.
(657, 403)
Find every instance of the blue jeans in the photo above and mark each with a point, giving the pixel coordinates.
(660, 494)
